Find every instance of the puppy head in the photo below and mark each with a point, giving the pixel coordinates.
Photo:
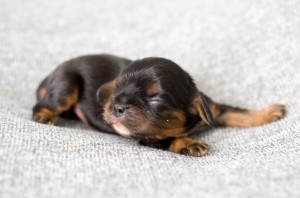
(152, 99)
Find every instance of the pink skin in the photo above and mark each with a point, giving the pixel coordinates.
(79, 113)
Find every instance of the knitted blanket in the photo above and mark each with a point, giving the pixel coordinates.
(242, 53)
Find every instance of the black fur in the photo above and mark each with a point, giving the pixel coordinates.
(152, 99)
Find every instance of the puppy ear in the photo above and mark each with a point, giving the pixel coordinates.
(201, 108)
(105, 91)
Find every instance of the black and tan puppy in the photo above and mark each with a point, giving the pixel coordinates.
(151, 99)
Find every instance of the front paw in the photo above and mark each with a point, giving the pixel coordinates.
(189, 147)
(197, 149)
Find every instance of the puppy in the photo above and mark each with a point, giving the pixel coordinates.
(152, 100)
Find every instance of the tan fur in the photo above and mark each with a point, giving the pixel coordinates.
(68, 102)
(47, 116)
(106, 90)
(44, 115)
(188, 146)
(214, 110)
(41, 93)
(199, 109)
(252, 117)
(153, 89)
(173, 127)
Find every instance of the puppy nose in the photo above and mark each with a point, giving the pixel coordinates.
(119, 110)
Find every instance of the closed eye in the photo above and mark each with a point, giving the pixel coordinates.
(157, 105)
(152, 96)
(154, 99)
(155, 102)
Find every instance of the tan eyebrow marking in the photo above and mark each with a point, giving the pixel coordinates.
(153, 89)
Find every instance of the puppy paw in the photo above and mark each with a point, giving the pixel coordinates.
(44, 116)
(189, 147)
(198, 149)
(43, 120)
(275, 112)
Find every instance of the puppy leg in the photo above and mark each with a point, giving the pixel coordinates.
(225, 115)
(181, 145)
(55, 97)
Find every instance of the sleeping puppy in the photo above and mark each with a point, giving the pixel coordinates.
(151, 99)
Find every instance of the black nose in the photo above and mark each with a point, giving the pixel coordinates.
(119, 110)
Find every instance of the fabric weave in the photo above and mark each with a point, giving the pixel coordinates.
(243, 53)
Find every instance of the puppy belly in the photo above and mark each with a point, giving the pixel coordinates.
(80, 114)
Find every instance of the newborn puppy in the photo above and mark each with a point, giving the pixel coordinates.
(152, 100)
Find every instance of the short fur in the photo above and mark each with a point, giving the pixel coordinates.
(152, 100)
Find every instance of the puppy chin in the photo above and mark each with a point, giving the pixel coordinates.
(116, 123)
(121, 129)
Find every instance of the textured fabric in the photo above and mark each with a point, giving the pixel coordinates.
(240, 52)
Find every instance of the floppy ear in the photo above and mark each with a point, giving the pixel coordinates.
(202, 109)
(105, 91)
